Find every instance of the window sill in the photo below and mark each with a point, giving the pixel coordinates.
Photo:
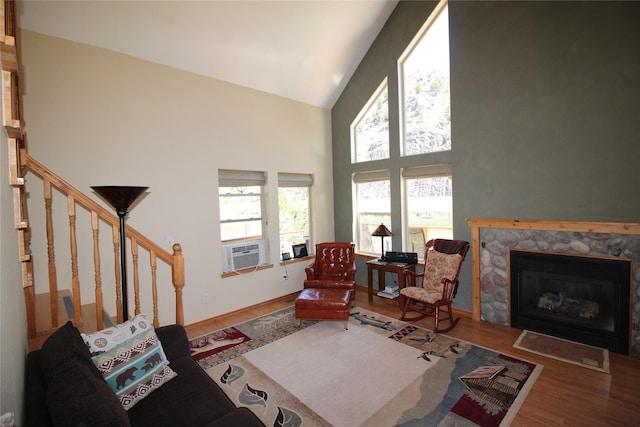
(295, 260)
(245, 271)
(369, 256)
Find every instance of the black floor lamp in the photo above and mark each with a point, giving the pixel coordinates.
(121, 197)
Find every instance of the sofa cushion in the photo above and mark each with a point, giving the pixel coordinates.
(75, 397)
(106, 339)
(135, 368)
(64, 344)
(174, 341)
(192, 389)
(238, 417)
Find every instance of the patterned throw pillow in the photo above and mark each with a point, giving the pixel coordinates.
(135, 368)
(440, 265)
(106, 339)
(130, 358)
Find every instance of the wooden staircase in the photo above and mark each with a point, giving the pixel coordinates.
(66, 312)
(54, 304)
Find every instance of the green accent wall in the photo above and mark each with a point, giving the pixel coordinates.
(545, 112)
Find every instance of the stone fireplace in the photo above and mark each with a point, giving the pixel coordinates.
(602, 244)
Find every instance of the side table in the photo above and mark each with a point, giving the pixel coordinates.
(394, 267)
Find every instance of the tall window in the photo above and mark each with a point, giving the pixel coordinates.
(370, 130)
(425, 88)
(425, 128)
(294, 201)
(241, 204)
(373, 206)
(429, 207)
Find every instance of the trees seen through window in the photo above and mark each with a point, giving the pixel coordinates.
(425, 80)
(370, 131)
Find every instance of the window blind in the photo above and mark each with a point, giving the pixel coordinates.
(235, 178)
(371, 176)
(295, 180)
(427, 171)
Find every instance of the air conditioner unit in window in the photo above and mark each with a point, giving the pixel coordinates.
(241, 255)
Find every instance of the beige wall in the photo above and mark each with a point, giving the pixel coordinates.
(100, 118)
(13, 332)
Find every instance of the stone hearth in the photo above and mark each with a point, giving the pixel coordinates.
(492, 239)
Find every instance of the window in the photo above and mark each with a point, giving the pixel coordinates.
(426, 108)
(373, 206)
(241, 205)
(370, 130)
(429, 207)
(294, 203)
(423, 111)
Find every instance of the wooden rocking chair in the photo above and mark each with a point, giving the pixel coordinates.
(431, 292)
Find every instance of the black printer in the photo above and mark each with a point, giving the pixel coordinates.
(404, 257)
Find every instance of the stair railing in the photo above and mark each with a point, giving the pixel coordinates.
(98, 213)
(19, 164)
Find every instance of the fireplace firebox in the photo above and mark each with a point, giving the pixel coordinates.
(583, 299)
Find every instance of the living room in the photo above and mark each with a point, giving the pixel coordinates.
(544, 122)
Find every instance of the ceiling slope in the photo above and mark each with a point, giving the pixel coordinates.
(301, 50)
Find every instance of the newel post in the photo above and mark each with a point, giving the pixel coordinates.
(178, 281)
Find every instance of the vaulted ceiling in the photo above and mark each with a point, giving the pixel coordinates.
(299, 49)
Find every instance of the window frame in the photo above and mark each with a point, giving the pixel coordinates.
(289, 180)
(439, 170)
(240, 178)
(364, 112)
(420, 35)
(427, 152)
(365, 178)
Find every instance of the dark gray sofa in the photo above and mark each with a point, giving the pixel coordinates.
(64, 388)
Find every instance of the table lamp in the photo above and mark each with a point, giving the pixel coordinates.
(383, 232)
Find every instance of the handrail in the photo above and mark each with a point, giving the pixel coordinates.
(41, 170)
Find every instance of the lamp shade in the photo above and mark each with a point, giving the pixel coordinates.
(382, 231)
(120, 197)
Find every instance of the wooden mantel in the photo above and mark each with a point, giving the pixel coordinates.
(475, 224)
(531, 224)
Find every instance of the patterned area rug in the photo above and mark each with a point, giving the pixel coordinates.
(567, 351)
(444, 381)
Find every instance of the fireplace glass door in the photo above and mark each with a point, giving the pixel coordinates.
(584, 299)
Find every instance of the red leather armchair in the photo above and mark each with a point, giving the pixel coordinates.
(333, 268)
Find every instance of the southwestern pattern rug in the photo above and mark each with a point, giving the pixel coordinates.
(381, 372)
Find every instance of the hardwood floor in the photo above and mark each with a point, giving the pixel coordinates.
(563, 395)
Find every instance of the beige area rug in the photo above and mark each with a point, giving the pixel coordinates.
(332, 385)
(567, 351)
(380, 372)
